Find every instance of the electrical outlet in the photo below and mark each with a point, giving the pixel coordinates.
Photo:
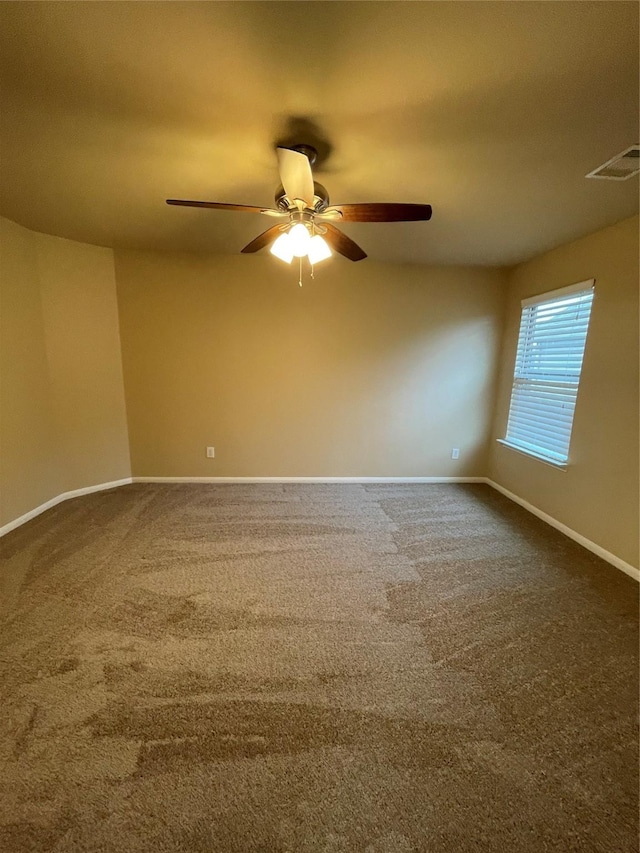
(211, 452)
(455, 453)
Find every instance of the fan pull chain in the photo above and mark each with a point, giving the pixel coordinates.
(300, 274)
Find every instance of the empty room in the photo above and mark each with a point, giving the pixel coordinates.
(319, 447)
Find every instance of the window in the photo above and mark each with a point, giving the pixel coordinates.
(553, 333)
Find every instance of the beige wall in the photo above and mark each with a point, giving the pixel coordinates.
(597, 496)
(370, 370)
(29, 470)
(63, 421)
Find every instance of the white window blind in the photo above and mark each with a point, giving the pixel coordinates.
(553, 333)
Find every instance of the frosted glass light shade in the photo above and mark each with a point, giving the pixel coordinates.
(282, 248)
(318, 250)
(299, 238)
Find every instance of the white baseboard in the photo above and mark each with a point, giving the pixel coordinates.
(65, 496)
(627, 568)
(354, 480)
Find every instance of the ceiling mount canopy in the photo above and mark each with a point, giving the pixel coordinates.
(307, 229)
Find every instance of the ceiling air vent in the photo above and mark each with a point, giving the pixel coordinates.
(620, 167)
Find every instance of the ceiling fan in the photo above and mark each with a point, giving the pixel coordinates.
(302, 204)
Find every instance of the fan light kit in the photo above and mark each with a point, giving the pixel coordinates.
(308, 230)
(299, 243)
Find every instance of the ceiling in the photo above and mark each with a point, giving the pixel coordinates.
(492, 112)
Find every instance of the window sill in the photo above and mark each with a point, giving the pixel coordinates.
(559, 466)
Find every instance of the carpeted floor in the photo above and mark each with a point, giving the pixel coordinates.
(313, 669)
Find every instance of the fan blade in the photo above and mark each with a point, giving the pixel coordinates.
(342, 244)
(262, 240)
(217, 205)
(381, 212)
(295, 174)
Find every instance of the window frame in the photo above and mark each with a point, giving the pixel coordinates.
(540, 299)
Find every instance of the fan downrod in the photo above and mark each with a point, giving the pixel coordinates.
(308, 150)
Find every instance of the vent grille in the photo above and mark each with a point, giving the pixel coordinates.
(619, 168)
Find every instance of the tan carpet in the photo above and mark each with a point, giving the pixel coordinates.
(314, 668)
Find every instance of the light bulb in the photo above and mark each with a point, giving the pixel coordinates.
(299, 239)
(282, 248)
(318, 250)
